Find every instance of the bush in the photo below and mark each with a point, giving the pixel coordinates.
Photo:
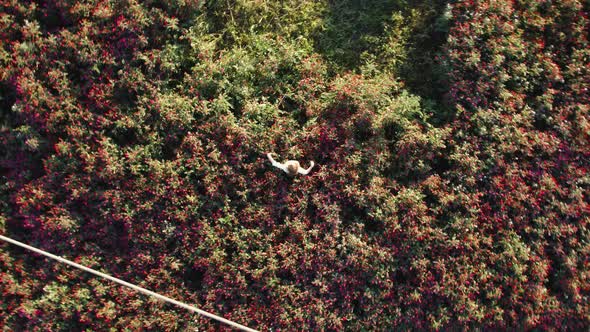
(134, 138)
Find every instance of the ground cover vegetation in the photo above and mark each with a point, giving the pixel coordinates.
(451, 143)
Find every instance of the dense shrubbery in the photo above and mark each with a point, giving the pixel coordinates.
(451, 187)
(519, 78)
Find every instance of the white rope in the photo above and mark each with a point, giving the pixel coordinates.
(124, 283)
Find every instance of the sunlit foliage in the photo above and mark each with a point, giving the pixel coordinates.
(451, 143)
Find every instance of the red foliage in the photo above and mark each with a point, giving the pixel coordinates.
(135, 146)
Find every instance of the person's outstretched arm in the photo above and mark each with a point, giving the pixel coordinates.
(306, 171)
(275, 163)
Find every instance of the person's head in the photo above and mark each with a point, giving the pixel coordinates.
(292, 167)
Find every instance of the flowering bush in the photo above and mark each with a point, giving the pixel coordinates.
(134, 138)
(516, 71)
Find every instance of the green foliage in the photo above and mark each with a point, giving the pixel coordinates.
(451, 144)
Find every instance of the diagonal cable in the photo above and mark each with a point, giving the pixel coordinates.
(132, 286)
